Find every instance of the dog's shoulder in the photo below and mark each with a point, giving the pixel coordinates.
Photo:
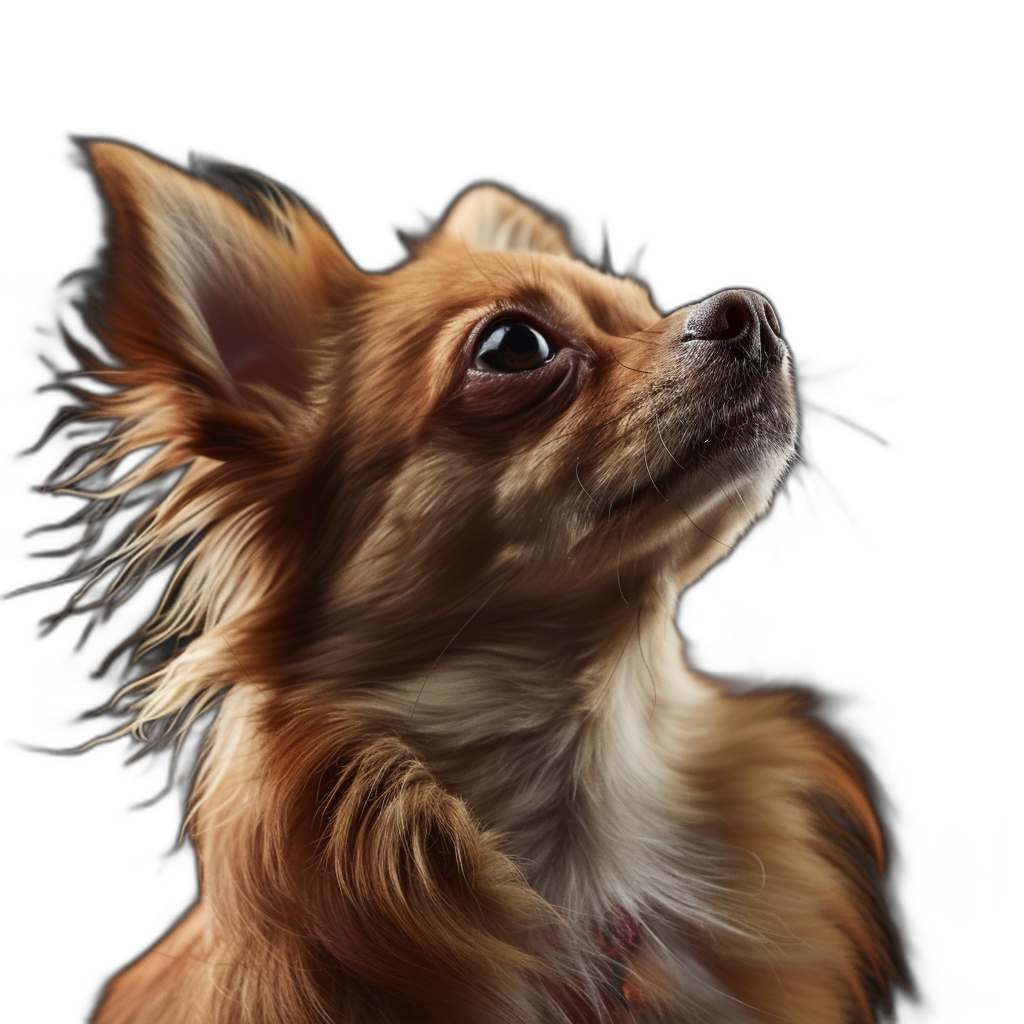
(797, 814)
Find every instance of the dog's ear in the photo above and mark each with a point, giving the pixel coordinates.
(213, 293)
(491, 217)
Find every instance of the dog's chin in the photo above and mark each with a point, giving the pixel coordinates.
(740, 477)
(742, 462)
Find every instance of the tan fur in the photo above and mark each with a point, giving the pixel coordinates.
(456, 738)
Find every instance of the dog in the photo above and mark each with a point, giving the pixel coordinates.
(428, 529)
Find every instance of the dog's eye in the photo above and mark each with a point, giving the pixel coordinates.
(512, 348)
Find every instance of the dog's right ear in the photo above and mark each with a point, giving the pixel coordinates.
(492, 217)
(213, 294)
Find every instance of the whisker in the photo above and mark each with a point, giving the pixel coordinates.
(702, 466)
(647, 466)
(635, 369)
(847, 422)
(580, 482)
(654, 681)
(622, 539)
(459, 632)
(701, 530)
(661, 438)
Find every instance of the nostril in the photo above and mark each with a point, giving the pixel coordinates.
(732, 316)
(719, 318)
(773, 320)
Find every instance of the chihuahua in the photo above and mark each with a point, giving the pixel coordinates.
(427, 530)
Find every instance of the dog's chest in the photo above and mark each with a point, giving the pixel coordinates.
(579, 777)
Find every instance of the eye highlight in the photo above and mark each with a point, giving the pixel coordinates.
(512, 347)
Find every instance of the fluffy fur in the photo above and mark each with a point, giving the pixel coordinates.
(459, 769)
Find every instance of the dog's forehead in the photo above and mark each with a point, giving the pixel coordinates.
(474, 279)
(616, 305)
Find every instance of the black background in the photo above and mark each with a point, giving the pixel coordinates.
(814, 202)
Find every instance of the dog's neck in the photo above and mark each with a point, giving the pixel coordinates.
(567, 746)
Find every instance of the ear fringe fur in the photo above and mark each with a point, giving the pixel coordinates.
(155, 439)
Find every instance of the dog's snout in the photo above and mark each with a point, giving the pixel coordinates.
(740, 318)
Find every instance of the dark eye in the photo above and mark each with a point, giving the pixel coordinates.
(512, 348)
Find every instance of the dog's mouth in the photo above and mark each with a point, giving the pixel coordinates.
(659, 485)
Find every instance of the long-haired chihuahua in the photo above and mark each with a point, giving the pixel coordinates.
(427, 530)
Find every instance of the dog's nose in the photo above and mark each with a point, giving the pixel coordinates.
(740, 318)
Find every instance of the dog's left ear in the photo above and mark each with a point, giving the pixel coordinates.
(492, 217)
(215, 293)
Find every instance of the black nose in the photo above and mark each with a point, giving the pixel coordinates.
(742, 319)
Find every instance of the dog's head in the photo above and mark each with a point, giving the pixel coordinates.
(551, 409)
(493, 405)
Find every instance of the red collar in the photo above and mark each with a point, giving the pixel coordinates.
(621, 995)
(619, 939)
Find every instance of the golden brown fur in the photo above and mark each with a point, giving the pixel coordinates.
(456, 740)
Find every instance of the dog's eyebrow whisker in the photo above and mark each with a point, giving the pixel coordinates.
(514, 270)
(480, 270)
(537, 282)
